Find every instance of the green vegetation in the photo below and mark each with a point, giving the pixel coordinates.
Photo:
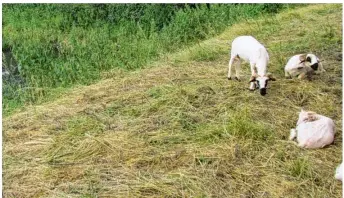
(179, 128)
(60, 45)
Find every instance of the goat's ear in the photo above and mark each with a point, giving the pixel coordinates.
(272, 79)
(302, 58)
(311, 113)
(269, 75)
(252, 79)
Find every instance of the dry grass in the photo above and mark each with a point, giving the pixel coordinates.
(180, 129)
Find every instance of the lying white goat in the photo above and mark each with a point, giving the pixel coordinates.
(339, 172)
(250, 50)
(313, 130)
(296, 66)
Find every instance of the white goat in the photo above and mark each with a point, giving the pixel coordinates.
(297, 66)
(250, 50)
(339, 172)
(313, 130)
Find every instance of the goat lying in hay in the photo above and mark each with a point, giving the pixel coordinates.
(302, 66)
(313, 130)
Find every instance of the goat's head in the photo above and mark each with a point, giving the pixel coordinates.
(313, 60)
(262, 82)
(307, 116)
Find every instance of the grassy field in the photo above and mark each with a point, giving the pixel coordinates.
(179, 128)
(57, 46)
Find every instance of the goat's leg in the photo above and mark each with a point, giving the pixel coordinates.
(321, 67)
(287, 75)
(293, 134)
(302, 76)
(231, 61)
(301, 145)
(237, 70)
(252, 86)
(253, 72)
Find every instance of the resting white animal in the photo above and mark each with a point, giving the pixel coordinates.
(302, 65)
(313, 130)
(250, 50)
(339, 172)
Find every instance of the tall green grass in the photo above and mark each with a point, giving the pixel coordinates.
(60, 45)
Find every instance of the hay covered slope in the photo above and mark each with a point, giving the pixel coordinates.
(180, 129)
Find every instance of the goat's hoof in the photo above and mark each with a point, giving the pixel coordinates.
(229, 78)
(291, 137)
(238, 79)
(251, 89)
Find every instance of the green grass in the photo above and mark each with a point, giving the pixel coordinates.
(301, 168)
(179, 128)
(67, 45)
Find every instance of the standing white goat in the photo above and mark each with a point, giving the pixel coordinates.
(296, 66)
(313, 130)
(250, 50)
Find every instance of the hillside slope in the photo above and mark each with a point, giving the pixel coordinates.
(180, 129)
